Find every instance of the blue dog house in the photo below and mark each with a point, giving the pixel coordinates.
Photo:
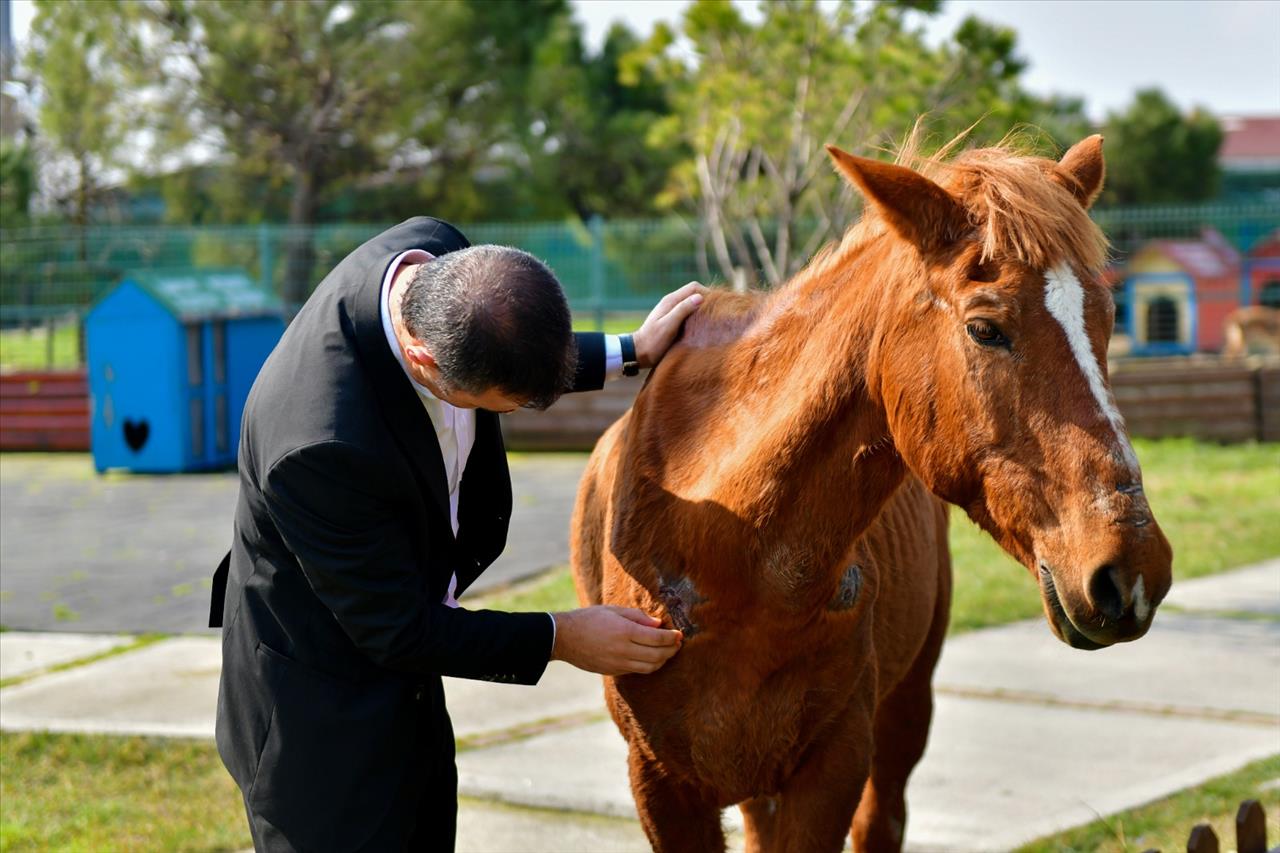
(171, 357)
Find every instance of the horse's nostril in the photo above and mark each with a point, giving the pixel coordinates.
(1105, 593)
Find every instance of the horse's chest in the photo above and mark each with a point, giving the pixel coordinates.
(737, 724)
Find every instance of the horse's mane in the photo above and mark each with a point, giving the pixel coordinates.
(1016, 209)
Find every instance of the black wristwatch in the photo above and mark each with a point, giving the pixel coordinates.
(630, 367)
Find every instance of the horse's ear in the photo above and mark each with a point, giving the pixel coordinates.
(1082, 169)
(917, 208)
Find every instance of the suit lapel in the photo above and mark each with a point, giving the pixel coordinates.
(402, 409)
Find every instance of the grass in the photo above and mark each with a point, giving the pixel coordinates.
(550, 591)
(1165, 824)
(173, 794)
(104, 793)
(29, 349)
(1217, 504)
(623, 323)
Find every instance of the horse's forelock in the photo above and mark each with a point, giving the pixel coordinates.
(1017, 209)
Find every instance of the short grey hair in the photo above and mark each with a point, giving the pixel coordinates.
(494, 317)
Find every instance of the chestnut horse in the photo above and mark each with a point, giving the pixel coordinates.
(776, 491)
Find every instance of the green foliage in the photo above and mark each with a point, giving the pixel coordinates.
(76, 57)
(325, 109)
(1157, 155)
(17, 183)
(761, 98)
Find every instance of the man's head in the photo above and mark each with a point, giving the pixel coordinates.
(494, 319)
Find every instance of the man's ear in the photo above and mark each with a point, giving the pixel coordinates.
(421, 356)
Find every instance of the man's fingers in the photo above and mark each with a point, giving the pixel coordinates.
(681, 312)
(655, 637)
(681, 293)
(637, 616)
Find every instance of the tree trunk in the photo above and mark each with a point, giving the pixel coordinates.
(82, 206)
(299, 250)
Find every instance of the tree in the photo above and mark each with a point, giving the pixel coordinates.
(1157, 155)
(298, 94)
(82, 125)
(585, 143)
(17, 183)
(763, 98)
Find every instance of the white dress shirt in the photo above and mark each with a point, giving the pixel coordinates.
(456, 427)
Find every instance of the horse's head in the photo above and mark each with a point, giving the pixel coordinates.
(990, 363)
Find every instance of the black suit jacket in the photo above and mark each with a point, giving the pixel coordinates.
(334, 634)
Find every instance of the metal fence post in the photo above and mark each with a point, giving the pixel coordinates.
(596, 276)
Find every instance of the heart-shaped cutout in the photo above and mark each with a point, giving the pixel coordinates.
(135, 433)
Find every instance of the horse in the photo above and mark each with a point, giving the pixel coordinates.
(1252, 330)
(778, 492)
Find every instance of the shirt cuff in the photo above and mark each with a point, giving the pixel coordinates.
(612, 357)
(552, 651)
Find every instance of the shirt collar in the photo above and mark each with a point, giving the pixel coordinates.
(413, 256)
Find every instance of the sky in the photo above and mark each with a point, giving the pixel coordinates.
(1219, 54)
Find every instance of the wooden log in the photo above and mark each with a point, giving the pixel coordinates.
(1202, 840)
(1251, 828)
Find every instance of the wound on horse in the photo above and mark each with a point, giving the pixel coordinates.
(679, 597)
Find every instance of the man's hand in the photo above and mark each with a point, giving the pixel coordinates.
(659, 329)
(613, 640)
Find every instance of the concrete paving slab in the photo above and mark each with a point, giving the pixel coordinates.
(996, 774)
(101, 693)
(583, 769)
(169, 688)
(489, 828)
(1254, 589)
(478, 707)
(1191, 663)
(999, 774)
(23, 652)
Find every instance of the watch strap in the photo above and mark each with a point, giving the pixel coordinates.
(630, 367)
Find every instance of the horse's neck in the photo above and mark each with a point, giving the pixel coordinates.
(797, 369)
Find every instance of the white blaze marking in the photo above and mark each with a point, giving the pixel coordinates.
(1140, 605)
(1064, 297)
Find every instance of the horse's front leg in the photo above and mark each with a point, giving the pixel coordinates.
(813, 809)
(676, 816)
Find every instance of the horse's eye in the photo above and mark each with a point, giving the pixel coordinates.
(986, 334)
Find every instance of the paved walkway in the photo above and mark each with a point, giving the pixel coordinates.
(1030, 736)
(135, 553)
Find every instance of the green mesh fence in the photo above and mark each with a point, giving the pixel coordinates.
(50, 276)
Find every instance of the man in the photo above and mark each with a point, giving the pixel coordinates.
(373, 491)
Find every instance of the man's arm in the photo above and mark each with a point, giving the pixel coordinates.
(348, 539)
(326, 502)
(599, 355)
